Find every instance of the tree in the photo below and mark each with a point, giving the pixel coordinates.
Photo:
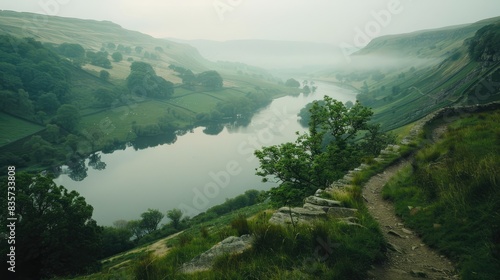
(48, 103)
(136, 229)
(151, 219)
(68, 117)
(175, 215)
(120, 224)
(73, 51)
(40, 149)
(117, 56)
(104, 96)
(292, 83)
(188, 77)
(115, 240)
(318, 157)
(99, 59)
(144, 81)
(55, 233)
(104, 75)
(210, 79)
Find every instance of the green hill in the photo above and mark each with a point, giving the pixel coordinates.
(57, 62)
(405, 77)
(425, 43)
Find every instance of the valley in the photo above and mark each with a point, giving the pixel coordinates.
(135, 155)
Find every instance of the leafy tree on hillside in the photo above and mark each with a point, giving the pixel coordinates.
(175, 215)
(143, 67)
(74, 51)
(319, 157)
(68, 117)
(151, 219)
(115, 240)
(188, 77)
(135, 227)
(48, 103)
(55, 233)
(117, 56)
(40, 149)
(104, 75)
(143, 81)
(292, 83)
(105, 97)
(210, 79)
(99, 59)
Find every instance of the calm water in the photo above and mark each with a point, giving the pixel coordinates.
(195, 172)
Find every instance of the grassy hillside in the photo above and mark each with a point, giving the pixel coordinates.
(434, 43)
(451, 195)
(94, 35)
(63, 63)
(405, 77)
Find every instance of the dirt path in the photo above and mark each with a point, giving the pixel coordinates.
(159, 248)
(408, 257)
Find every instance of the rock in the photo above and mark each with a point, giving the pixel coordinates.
(318, 192)
(302, 211)
(284, 215)
(310, 206)
(322, 201)
(231, 245)
(279, 218)
(394, 247)
(407, 231)
(347, 177)
(363, 166)
(392, 232)
(341, 212)
(418, 273)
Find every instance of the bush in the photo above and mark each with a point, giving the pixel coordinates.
(240, 224)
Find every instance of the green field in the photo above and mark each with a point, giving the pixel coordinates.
(13, 129)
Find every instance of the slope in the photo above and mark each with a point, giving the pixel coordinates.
(405, 77)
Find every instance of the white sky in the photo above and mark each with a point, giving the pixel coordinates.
(331, 21)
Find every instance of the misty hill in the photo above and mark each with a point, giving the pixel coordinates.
(51, 66)
(405, 77)
(267, 53)
(92, 34)
(424, 43)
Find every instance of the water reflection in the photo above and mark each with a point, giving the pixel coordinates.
(142, 143)
(77, 170)
(96, 162)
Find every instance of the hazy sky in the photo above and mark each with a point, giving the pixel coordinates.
(332, 21)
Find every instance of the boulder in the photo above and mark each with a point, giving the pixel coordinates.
(310, 206)
(319, 192)
(284, 215)
(322, 201)
(279, 218)
(231, 245)
(302, 212)
(341, 212)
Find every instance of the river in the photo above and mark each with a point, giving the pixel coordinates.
(198, 170)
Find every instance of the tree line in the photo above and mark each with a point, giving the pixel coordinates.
(56, 235)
